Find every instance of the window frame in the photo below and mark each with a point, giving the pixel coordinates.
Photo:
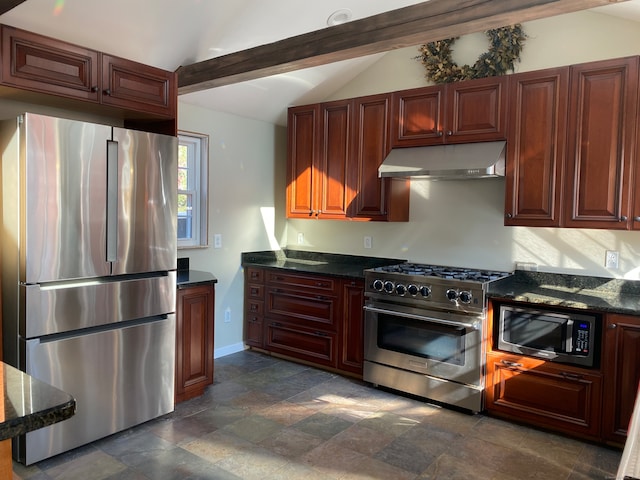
(199, 165)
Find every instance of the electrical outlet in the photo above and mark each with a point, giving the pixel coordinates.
(611, 259)
(527, 266)
(300, 238)
(227, 315)
(217, 240)
(368, 241)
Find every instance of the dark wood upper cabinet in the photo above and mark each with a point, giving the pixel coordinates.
(303, 132)
(376, 198)
(536, 147)
(134, 86)
(51, 72)
(46, 65)
(462, 112)
(601, 129)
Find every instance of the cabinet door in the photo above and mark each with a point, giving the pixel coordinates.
(551, 396)
(42, 64)
(477, 110)
(135, 86)
(303, 139)
(194, 341)
(351, 349)
(331, 181)
(418, 117)
(535, 155)
(381, 199)
(622, 374)
(602, 116)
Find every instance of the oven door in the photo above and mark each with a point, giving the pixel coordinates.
(435, 343)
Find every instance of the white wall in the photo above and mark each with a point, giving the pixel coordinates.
(245, 185)
(451, 223)
(461, 222)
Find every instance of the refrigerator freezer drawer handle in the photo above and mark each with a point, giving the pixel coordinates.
(112, 201)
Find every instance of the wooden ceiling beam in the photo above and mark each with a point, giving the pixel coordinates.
(413, 25)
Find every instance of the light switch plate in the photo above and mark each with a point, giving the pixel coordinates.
(217, 240)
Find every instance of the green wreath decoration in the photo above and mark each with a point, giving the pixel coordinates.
(506, 43)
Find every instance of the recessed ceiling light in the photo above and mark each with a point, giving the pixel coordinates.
(339, 17)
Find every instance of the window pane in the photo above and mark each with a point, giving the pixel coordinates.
(183, 179)
(185, 219)
(183, 156)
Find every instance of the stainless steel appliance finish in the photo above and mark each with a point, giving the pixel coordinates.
(88, 272)
(425, 329)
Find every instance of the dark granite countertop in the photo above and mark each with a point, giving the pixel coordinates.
(192, 278)
(571, 291)
(332, 264)
(30, 404)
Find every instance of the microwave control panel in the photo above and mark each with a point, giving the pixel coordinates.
(582, 334)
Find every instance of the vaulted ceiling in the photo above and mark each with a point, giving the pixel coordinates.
(256, 57)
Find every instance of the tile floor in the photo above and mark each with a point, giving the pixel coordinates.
(265, 418)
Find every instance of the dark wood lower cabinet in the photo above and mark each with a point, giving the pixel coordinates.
(552, 396)
(622, 374)
(317, 319)
(194, 340)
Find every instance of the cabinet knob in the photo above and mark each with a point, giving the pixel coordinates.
(439, 133)
(508, 215)
(623, 218)
(612, 326)
(449, 133)
(94, 88)
(107, 92)
(636, 219)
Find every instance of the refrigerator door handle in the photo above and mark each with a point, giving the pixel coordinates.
(112, 201)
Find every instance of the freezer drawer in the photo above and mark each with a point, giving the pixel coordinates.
(58, 308)
(119, 377)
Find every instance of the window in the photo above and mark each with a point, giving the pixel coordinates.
(193, 151)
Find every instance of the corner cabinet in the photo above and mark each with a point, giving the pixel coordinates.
(334, 151)
(194, 340)
(316, 319)
(621, 366)
(461, 112)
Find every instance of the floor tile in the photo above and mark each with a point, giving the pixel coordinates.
(269, 419)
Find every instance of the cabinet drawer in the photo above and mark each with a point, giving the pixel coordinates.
(314, 346)
(323, 284)
(253, 334)
(254, 275)
(314, 311)
(255, 291)
(542, 395)
(254, 307)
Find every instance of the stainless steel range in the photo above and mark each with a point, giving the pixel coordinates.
(424, 333)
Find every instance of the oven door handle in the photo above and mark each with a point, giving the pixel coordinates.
(420, 317)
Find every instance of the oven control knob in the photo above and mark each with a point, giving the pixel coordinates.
(377, 285)
(425, 291)
(389, 286)
(413, 290)
(452, 295)
(401, 289)
(465, 297)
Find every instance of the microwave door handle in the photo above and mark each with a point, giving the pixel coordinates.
(569, 340)
(419, 317)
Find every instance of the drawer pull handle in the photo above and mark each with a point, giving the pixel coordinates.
(511, 364)
(612, 326)
(276, 324)
(571, 376)
(321, 334)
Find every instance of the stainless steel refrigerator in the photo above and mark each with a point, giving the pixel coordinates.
(88, 272)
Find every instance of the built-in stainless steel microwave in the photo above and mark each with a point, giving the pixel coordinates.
(550, 335)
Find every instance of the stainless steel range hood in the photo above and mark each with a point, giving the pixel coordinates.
(442, 162)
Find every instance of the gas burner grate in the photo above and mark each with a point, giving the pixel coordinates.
(454, 273)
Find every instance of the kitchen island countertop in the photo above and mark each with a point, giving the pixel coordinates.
(609, 295)
(331, 264)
